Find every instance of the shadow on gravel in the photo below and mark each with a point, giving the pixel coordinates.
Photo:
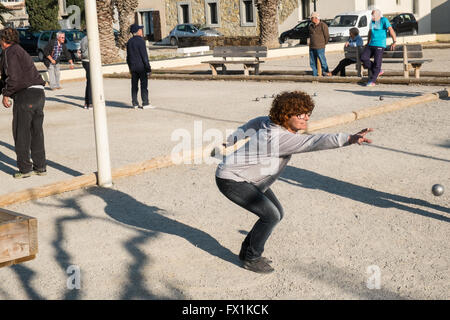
(346, 281)
(64, 101)
(445, 144)
(6, 163)
(114, 104)
(199, 116)
(50, 163)
(412, 153)
(311, 180)
(149, 222)
(26, 276)
(62, 257)
(370, 93)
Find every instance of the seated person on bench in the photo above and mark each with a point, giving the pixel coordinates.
(355, 40)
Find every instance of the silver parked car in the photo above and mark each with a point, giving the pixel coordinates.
(191, 30)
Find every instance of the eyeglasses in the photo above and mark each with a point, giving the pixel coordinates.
(303, 115)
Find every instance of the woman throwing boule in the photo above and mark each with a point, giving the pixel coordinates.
(245, 176)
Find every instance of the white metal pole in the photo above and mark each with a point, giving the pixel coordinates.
(98, 97)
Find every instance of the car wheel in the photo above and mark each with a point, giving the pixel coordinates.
(284, 39)
(173, 41)
(414, 32)
(40, 56)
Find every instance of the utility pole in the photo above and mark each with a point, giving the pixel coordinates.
(98, 97)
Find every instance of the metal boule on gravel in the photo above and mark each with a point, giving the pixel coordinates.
(437, 190)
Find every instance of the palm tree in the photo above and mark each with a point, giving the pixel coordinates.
(109, 51)
(268, 22)
(126, 10)
(3, 10)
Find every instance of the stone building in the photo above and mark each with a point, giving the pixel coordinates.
(18, 17)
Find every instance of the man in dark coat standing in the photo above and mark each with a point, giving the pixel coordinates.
(21, 81)
(137, 60)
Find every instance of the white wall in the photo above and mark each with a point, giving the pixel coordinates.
(328, 9)
(424, 16)
(290, 22)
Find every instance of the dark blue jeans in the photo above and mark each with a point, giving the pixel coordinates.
(135, 78)
(28, 117)
(265, 205)
(375, 66)
(313, 55)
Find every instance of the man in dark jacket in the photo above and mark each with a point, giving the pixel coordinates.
(21, 81)
(318, 38)
(137, 60)
(53, 52)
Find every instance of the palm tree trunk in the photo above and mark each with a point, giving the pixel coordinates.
(126, 10)
(268, 22)
(109, 51)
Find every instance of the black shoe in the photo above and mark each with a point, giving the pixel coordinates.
(242, 257)
(40, 172)
(258, 265)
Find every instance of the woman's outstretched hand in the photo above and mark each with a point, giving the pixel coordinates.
(360, 137)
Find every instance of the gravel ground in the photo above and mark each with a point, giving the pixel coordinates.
(169, 233)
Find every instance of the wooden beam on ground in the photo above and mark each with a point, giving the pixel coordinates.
(18, 238)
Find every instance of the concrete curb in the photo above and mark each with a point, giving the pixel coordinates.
(89, 180)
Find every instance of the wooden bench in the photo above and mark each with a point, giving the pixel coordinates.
(252, 53)
(18, 238)
(355, 54)
(410, 55)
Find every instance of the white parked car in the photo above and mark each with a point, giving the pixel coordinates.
(342, 23)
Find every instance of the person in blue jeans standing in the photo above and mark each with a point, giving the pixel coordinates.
(318, 38)
(376, 45)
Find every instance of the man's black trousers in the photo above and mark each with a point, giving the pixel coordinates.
(28, 117)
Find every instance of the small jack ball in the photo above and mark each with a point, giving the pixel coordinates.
(381, 98)
(437, 190)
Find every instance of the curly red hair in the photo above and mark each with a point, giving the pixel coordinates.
(288, 104)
